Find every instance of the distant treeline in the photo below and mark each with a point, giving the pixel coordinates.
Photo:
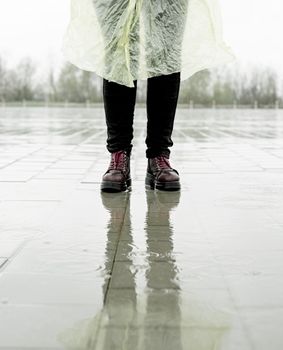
(219, 86)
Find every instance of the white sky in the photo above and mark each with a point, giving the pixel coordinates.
(253, 28)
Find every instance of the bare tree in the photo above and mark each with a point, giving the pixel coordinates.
(197, 88)
(19, 82)
(2, 79)
(52, 93)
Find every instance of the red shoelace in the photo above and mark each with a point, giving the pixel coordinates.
(118, 161)
(162, 162)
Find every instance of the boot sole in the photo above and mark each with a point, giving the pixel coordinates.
(163, 186)
(112, 186)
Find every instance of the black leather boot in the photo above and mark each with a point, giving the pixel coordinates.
(161, 175)
(117, 178)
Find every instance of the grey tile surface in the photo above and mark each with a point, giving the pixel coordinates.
(198, 269)
(3, 261)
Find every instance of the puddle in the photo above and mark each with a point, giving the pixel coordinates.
(147, 306)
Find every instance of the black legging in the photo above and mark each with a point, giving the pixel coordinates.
(119, 105)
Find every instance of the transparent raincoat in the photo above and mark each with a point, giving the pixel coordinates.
(126, 40)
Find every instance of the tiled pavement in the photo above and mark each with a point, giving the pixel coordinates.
(198, 269)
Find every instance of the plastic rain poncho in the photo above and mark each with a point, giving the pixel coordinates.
(126, 40)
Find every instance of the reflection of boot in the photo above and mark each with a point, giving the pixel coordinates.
(111, 201)
(170, 200)
(116, 205)
(159, 206)
(117, 178)
(162, 201)
(161, 175)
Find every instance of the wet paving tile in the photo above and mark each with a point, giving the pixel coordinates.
(40, 326)
(68, 257)
(265, 327)
(256, 291)
(33, 191)
(198, 269)
(3, 261)
(251, 263)
(8, 248)
(32, 214)
(10, 176)
(51, 289)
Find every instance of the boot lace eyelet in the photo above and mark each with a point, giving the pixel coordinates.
(162, 163)
(118, 161)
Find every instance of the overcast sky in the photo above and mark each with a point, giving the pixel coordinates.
(253, 28)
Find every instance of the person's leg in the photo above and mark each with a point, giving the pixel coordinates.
(162, 99)
(119, 106)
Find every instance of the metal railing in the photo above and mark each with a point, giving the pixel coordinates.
(87, 104)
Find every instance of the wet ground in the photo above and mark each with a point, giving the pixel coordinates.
(198, 269)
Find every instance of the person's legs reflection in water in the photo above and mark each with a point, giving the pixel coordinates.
(142, 304)
(163, 315)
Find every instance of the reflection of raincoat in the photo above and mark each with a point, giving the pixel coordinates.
(125, 40)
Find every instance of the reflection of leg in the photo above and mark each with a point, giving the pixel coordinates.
(162, 99)
(120, 310)
(163, 312)
(119, 105)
